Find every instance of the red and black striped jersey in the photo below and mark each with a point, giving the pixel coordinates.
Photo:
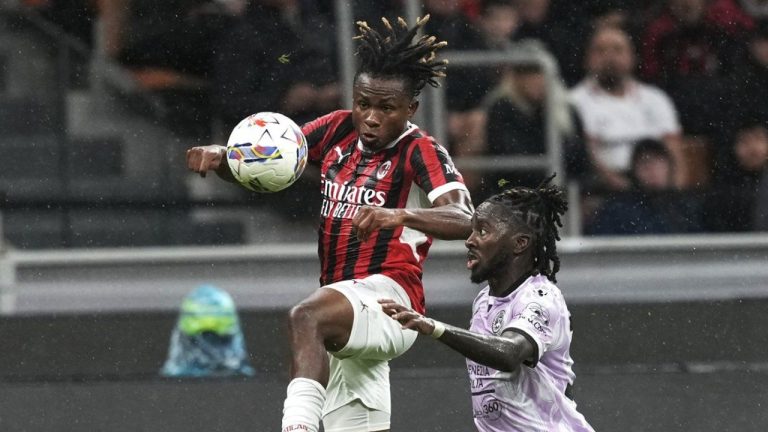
(411, 172)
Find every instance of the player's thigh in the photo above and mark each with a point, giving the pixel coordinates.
(374, 334)
(329, 313)
(356, 417)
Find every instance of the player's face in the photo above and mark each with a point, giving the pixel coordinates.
(489, 246)
(381, 108)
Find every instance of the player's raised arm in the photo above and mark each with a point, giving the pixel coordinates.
(448, 219)
(209, 158)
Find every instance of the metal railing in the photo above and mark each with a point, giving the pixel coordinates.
(433, 116)
(553, 159)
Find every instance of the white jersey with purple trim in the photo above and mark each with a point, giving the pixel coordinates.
(533, 398)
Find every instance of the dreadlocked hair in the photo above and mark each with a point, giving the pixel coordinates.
(394, 53)
(539, 209)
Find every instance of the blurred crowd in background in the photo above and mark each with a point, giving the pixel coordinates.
(662, 105)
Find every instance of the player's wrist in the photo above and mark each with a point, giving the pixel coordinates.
(438, 329)
(401, 217)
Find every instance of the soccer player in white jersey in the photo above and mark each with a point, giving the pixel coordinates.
(517, 346)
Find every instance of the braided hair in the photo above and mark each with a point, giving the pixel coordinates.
(393, 53)
(539, 210)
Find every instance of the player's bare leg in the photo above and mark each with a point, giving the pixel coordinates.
(320, 323)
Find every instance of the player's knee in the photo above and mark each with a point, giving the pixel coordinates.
(303, 317)
(315, 320)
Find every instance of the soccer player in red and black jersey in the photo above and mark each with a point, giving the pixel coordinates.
(388, 189)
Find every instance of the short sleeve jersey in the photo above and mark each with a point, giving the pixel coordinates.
(533, 398)
(618, 123)
(410, 172)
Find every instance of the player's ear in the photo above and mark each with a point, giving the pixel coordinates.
(520, 243)
(412, 107)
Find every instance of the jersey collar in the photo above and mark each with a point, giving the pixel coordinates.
(409, 127)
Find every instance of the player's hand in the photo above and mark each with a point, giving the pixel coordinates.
(370, 219)
(205, 158)
(408, 318)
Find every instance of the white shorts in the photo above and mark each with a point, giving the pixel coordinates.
(356, 417)
(360, 370)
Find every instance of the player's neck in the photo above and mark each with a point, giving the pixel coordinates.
(409, 127)
(503, 285)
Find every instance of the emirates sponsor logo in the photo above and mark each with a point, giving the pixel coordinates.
(342, 201)
(359, 195)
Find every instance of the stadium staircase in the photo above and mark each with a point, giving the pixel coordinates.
(83, 164)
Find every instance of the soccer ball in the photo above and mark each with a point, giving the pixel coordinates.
(266, 152)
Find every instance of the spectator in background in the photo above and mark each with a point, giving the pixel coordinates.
(180, 35)
(731, 16)
(447, 22)
(76, 17)
(732, 204)
(272, 58)
(755, 8)
(467, 86)
(748, 84)
(168, 47)
(651, 205)
(631, 15)
(610, 13)
(687, 49)
(618, 111)
(517, 122)
(538, 20)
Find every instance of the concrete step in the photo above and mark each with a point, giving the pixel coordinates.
(55, 228)
(27, 116)
(30, 167)
(96, 158)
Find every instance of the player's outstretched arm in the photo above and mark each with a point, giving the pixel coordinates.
(449, 218)
(209, 158)
(505, 353)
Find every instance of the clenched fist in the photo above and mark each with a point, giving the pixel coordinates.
(370, 219)
(205, 158)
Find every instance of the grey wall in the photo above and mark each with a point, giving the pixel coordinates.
(646, 366)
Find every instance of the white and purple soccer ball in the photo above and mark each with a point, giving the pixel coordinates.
(267, 152)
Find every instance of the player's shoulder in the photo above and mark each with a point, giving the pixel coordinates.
(421, 138)
(331, 120)
(339, 116)
(539, 288)
(427, 145)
